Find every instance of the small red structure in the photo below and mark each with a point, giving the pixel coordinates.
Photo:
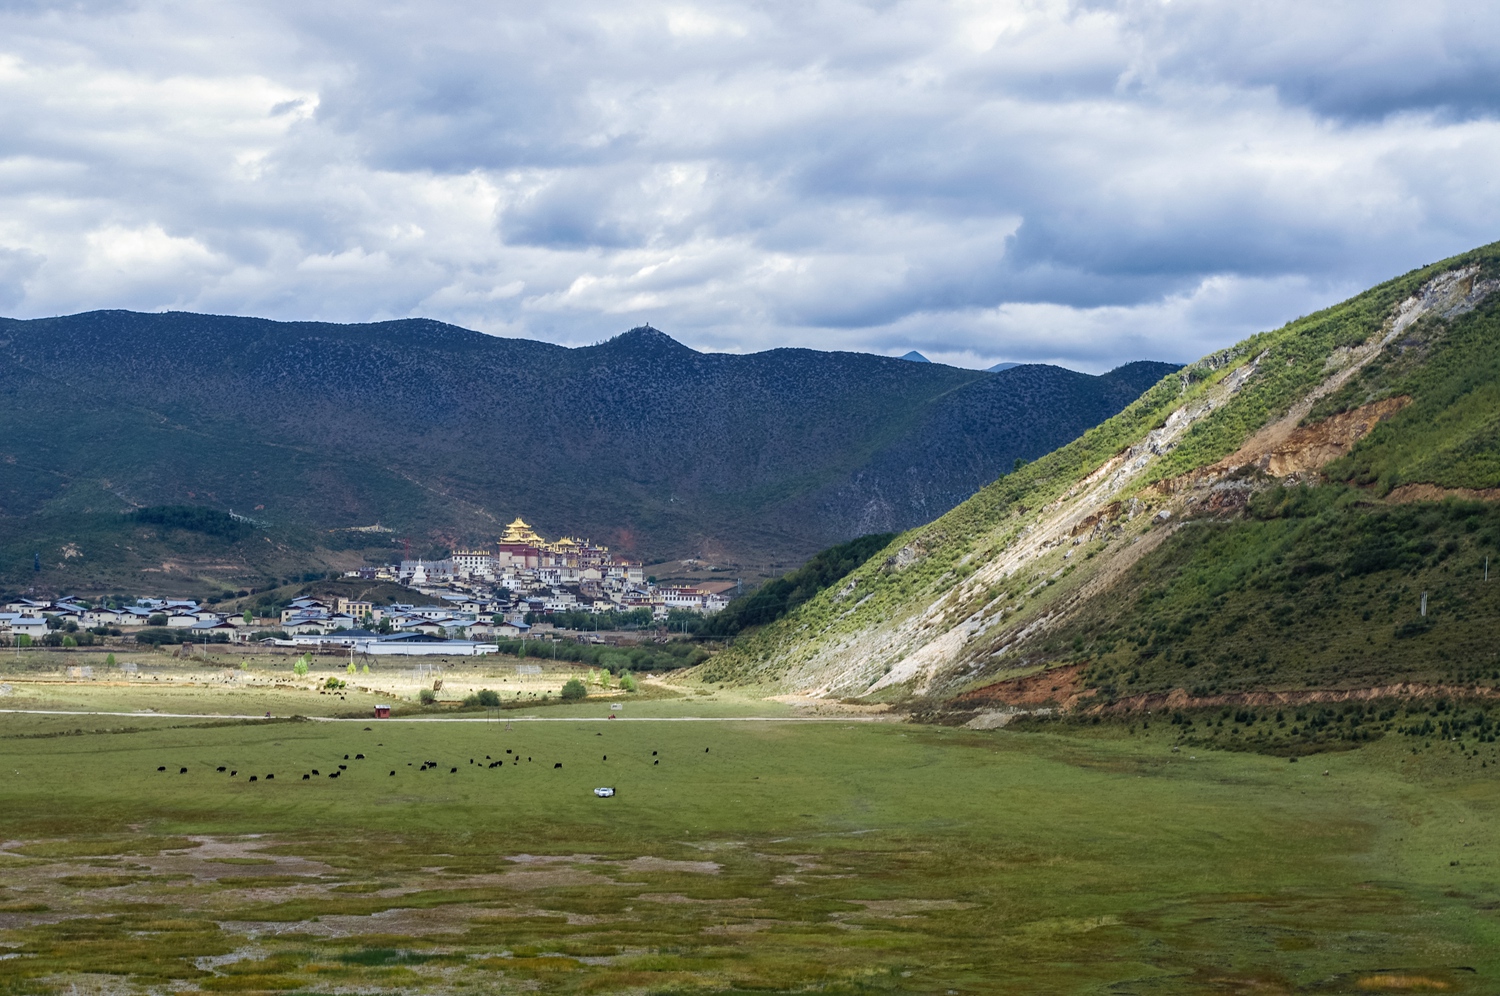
(382, 712)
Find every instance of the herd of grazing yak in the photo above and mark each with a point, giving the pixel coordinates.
(515, 758)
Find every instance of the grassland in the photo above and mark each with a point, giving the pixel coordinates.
(737, 856)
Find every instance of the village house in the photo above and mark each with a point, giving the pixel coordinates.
(205, 630)
(305, 608)
(14, 624)
(473, 563)
(105, 616)
(304, 624)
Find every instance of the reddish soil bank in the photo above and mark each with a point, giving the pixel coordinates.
(1063, 687)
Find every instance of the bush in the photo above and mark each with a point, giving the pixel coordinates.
(194, 518)
(628, 683)
(300, 666)
(427, 696)
(573, 690)
(583, 620)
(333, 683)
(156, 619)
(483, 697)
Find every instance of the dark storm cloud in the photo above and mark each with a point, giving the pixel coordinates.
(1082, 182)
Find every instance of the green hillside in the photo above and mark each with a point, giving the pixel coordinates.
(440, 435)
(1268, 519)
(173, 550)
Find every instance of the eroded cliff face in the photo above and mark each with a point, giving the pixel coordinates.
(1019, 581)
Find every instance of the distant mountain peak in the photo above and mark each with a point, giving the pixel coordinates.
(644, 340)
(915, 357)
(647, 334)
(1004, 365)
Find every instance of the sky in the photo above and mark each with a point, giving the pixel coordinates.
(1084, 183)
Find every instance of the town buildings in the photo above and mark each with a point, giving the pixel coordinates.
(513, 588)
(542, 577)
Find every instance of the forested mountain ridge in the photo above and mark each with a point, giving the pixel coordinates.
(1310, 512)
(441, 433)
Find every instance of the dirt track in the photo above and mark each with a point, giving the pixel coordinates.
(1061, 687)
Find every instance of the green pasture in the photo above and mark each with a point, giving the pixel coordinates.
(215, 684)
(755, 856)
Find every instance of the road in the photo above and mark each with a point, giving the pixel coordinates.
(463, 719)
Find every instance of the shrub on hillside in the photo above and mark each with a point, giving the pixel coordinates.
(775, 599)
(573, 690)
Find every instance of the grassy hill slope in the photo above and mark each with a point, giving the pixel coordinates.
(1266, 519)
(443, 434)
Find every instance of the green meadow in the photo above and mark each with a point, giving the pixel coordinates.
(736, 856)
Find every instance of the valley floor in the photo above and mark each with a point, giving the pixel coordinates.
(766, 855)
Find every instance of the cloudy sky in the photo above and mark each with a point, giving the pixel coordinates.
(1083, 183)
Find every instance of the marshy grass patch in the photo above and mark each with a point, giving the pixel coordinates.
(843, 857)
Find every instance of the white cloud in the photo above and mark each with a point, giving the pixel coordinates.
(1080, 182)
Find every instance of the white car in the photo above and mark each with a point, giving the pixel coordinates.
(604, 792)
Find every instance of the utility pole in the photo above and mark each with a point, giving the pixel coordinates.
(1424, 604)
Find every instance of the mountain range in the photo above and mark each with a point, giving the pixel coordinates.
(1310, 516)
(317, 433)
